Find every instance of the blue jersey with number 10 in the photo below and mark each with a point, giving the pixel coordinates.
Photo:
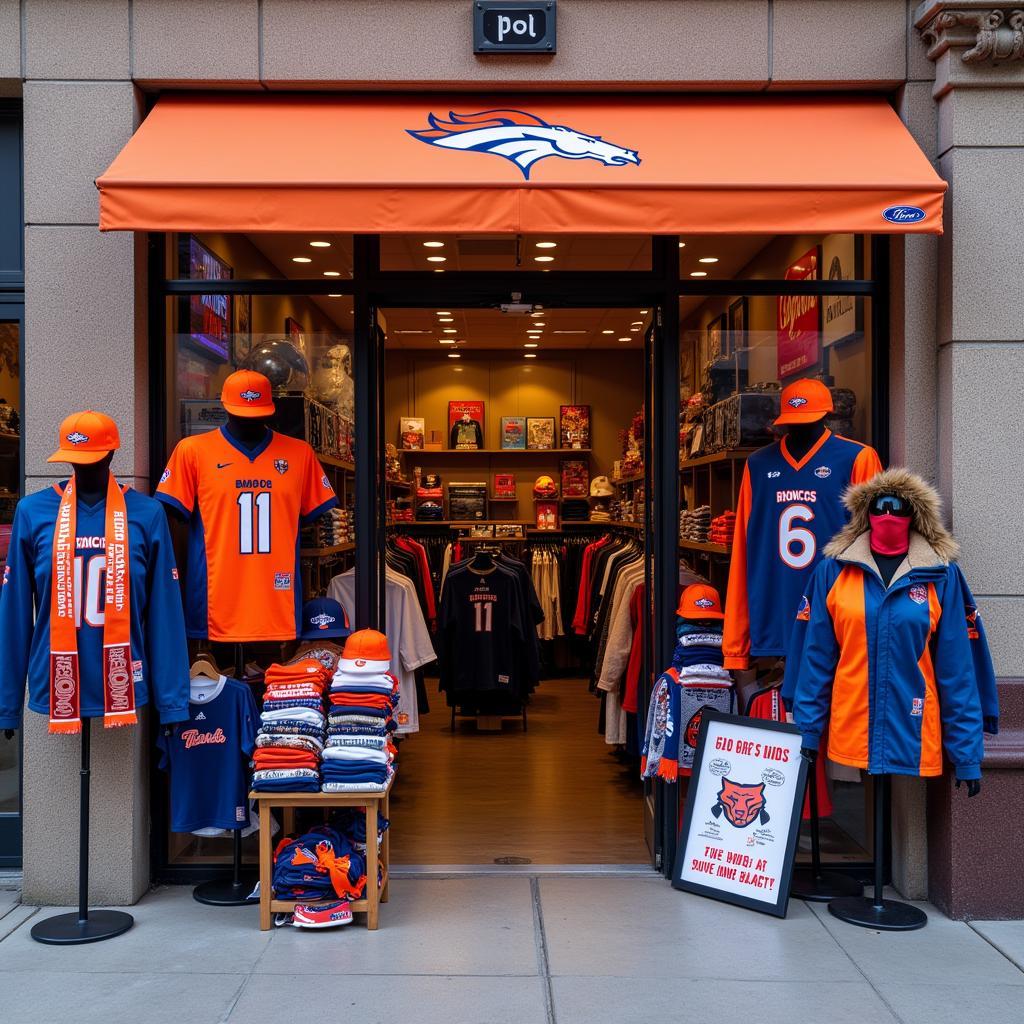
(787, 512)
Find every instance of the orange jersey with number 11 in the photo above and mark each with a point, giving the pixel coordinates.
(244, 507)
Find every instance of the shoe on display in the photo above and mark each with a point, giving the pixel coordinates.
(326, 915)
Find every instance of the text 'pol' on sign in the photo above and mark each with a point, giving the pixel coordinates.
(503, 27)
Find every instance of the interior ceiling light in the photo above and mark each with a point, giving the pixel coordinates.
(433, 245)
(302, 259)
(546, 245)
(625, 339)
(708, 259)
(444, 312)
(320, 245)
(530, 344)
(607, 332)
(698, 273)
(543, 259)
(535, 330)
(540, 323)
(571, 332)
(644, 312)
(635, 330)
(530, 355)
(447, 341)
(682, 245)
(335, 295)
(332, 273)
(450, 330)
(537, 312)
(437, 259)
(446, 320)
(438, 270)
(637, 323)
(454, 355)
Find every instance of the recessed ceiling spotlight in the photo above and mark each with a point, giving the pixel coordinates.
(444, 312)
(433, 245)
(637, 323)
(530, 355)
(450, 330)
(320, 245)
(635, 330)
(454, 355)
(543, 259)
(334, 295)
(540, 323)
(302, 259)
(546, 245)
(530, 344)
(332, 273)
(682, 245)
(698, 273)
(446, 320)
(644, 312)
(625, 339)
(437, 259)
(536, 330)
(447, 341)
(438, 270)
(708, 259)
(607, 332)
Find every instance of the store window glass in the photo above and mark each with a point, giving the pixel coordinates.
(302, 345)
(737, 354)
(512, 253)
(257, 257)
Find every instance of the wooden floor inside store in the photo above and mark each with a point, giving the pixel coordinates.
(555, 794)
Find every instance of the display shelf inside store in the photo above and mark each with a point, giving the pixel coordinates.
(705, 546)
(399, 485)
(332, 460)
(731, 455)
(424, 453)
(335, 549)
(632, 479)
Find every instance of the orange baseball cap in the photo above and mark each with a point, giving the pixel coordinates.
(247, 393)
(804, 401)
(700, 601)
(366, 651)
(85, 438)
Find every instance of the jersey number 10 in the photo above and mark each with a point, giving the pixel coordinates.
(254, 522)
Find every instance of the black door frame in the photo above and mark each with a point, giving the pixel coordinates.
(658, 288)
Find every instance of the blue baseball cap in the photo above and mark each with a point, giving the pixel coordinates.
(323, 618)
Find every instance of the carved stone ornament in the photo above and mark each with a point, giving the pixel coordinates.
(987, 33)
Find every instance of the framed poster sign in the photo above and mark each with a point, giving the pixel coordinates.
(842, 315)
(798, 320)
(742, 820)
(466, 425)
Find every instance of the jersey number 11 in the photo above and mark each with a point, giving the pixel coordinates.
(254, 522)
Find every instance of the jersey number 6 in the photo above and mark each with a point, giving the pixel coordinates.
(797, 545)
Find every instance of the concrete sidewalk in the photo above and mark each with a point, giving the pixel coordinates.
(521, 950)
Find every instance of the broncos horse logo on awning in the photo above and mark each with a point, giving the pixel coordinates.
(520, 137)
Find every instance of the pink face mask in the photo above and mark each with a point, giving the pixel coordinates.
(890, 535)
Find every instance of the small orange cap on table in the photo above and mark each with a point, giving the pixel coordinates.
(700, 601)
(86, 437)
(247, 393)
(804, 401)
(366, 651)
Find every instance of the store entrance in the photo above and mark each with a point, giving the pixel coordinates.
(514, 459)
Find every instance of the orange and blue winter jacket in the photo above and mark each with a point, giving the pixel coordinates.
(890, 669)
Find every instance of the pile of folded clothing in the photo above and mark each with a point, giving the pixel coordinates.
(359, 754)
(695, 524)
(430, 511)
(722, 528)
(350, 823)
(290, 740)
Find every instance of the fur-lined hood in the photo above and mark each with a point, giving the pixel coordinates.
(926, 519)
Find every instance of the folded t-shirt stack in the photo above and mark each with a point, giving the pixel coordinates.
(359, 754)
(722, 528)
(290, 742)
(695, 524)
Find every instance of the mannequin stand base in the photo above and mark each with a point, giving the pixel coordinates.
(217, 893)
(891, 916)
(823, 886)
(71, 930)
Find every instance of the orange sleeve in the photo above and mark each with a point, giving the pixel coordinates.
(865, 466)
(317, 493)
(177, 486)
(736, 631)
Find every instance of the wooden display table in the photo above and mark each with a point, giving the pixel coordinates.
(373, 801)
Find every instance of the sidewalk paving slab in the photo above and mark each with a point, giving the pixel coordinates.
(1006, 936)
(961, 1002)
(15, 917)
(592, 1000)
(458, 926)
(638, 928)
(419, 999)
(927, 956)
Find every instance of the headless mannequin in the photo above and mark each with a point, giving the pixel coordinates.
(91, 480)
(802, 437)
(247, 430)
(483, 561)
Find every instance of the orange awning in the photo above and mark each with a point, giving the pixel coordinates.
(534, 163)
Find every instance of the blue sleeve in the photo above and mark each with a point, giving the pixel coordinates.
(795, 651)
(959, 703)
(249, 719)
(984, 672)
(166, 646)
(16, 620)
(815, 670)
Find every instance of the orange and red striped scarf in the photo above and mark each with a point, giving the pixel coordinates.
(65, 679)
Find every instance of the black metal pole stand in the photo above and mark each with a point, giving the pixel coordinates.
(234, 892)
(74, 928)
(874, 911)
(812, 883)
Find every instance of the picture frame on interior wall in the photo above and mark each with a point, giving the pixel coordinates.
(241, 334)
(540, 433)
(737, 325)
(715, 339)
(295, 334)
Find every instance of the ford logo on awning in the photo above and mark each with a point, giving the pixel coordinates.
(903, 214)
